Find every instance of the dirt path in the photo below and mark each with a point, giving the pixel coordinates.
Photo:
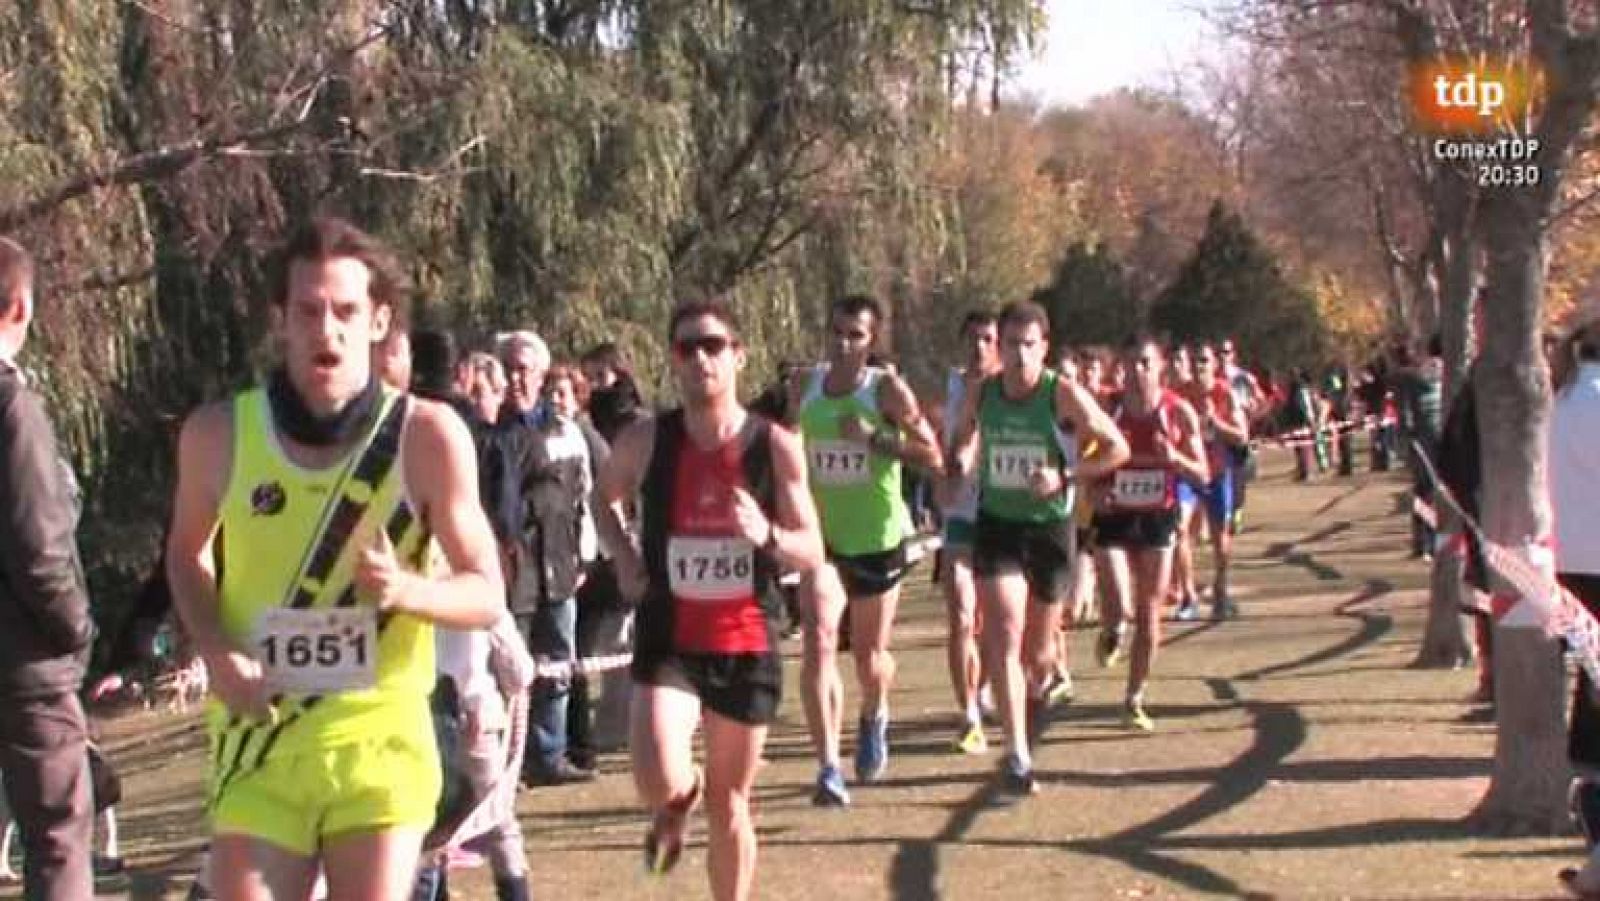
(1296, 756)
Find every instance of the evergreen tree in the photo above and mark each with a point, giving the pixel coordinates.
(1088, 299)
(1232, 286)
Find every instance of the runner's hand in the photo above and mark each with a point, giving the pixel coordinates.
(239, 682)
(750, 519)
(1163, 446)
(854, 428)
(1045, 482)
(379, 575)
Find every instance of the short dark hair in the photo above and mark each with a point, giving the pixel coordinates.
(1025, 313)
(329, 238)
(715, 307)
(433, 360)
(609, 355)
(16, 272)
(977, 319)
(856, 304)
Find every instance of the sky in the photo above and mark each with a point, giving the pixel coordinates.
(1096, 46)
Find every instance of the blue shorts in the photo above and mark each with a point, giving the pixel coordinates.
(1186, 494)
(1217, 497)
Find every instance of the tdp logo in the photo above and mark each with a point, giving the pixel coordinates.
(1465, 96)
(1487, 96)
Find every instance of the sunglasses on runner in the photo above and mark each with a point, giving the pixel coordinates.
(711, 345)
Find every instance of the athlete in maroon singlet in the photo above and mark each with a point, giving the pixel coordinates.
(723, 505)
(1136, 515)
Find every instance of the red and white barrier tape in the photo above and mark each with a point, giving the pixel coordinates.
(1530, 572)
(1305, 435)
(545, 668)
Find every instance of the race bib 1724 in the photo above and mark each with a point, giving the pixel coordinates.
(1010, 465)
(319, 650)
(1140, 489)
(839, 462)
(710, 569)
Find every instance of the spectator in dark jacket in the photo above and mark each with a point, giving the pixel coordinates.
(45, 629)
(545, 457)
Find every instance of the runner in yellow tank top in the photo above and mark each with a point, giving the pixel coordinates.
(318, 633)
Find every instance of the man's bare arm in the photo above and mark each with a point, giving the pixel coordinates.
(205, 450)
(442, 468)
(797, 534)
(916, 444)
(617, 484)
(1095, 426)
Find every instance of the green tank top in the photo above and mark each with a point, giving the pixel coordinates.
(857, 489)
(1016, 438)
(272, 513)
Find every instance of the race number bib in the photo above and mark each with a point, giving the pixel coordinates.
(1140, 489)
(318, 651)
(839, 463)
(1010, 465)
(710, 569)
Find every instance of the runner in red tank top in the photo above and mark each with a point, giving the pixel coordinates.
(1224, 427)
(703, 643)
(1137, 514)
(710, 571)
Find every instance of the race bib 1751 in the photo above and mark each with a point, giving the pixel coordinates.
(710, 569)
(839, 462)
(318, 650)
(1140, 489)
(1010, 465)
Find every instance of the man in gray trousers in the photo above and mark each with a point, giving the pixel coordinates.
(45, 629)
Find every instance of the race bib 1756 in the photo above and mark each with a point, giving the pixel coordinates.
(318, 650)
(1010, 465)
(710, 569)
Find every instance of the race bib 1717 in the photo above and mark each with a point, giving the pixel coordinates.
(839, 462)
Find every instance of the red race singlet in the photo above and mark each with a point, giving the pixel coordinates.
(711, 569)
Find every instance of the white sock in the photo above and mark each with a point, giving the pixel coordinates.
(974, 713)
(1023, 758)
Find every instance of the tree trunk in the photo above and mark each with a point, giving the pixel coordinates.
(1528, 791)
(1445, 640)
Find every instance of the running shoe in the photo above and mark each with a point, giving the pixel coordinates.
(872, 749)
(986, 702)
(1108, 650)
(1580, 883)
(1134, 718)
(663, 844)
(830, 788)
(1223, 608)
(1186, 611)
(1016, 781)
(1060, 689)
(972, 740)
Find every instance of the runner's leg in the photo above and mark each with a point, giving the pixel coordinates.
(1004, 599)
(871, 623)
(1151, 569)
(961, 645)
(733, 753)
(242, 868)
(373, 866)
(822, 599)
(661, 742)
